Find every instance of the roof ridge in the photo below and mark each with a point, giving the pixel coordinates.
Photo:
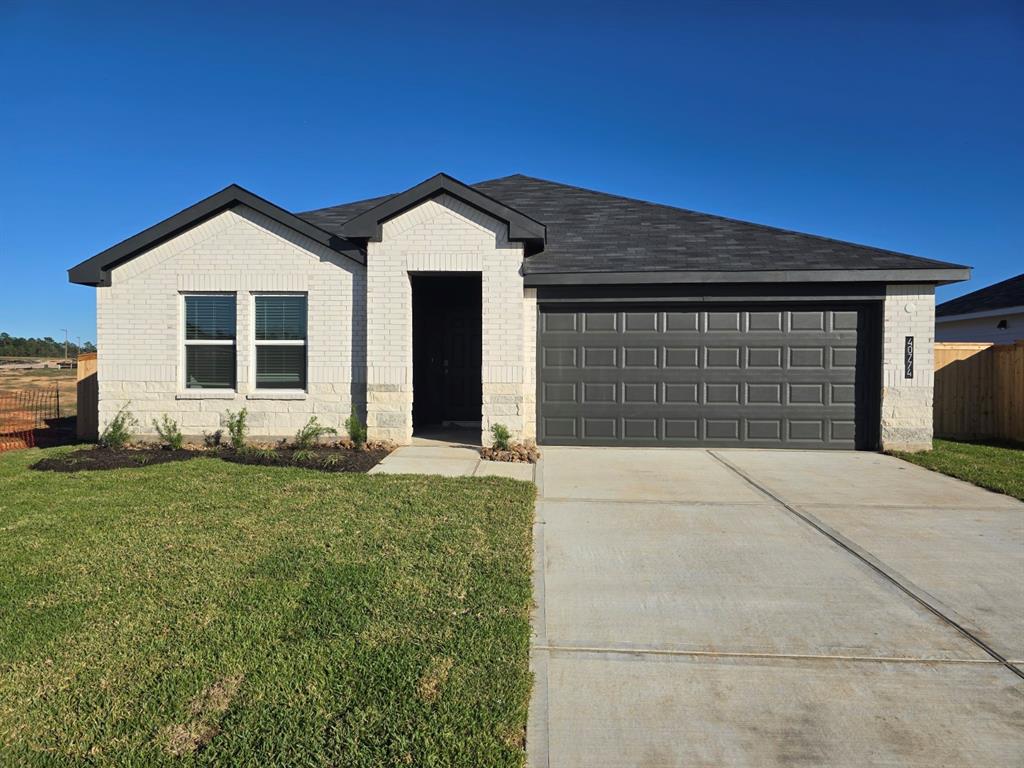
(730, 219)
(382, 198)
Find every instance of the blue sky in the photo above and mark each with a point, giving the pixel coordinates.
(898, 128)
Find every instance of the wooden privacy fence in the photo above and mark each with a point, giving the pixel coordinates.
(979, 391)
(87, 424)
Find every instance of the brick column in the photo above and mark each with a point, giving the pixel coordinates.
(907, 402)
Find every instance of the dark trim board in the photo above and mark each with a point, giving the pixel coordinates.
(669, 292)
(96, 271)
(933, 276)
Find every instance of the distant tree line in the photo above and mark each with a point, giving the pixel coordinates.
(15, 346)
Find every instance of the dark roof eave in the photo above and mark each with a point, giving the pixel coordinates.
(521, 228)
(96, 270)
(936, 276)
(1005, 294)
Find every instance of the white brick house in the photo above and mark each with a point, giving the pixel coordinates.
(570, 316)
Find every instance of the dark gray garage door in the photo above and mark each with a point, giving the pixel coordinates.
(759, 376)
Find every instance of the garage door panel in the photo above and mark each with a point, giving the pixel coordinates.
(680, 393)
(598, 322)
(763, 375)
(682, 321)
(847, 320)
(681, 357)
(640, 357)
(600, 428)
(634, 322)
(767, 322)
(718, 322)
(596, 392)
(554, 322)
(722, 356)
(600, 357)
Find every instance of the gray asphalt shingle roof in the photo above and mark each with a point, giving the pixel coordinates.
(1008, 293)
(590, 231)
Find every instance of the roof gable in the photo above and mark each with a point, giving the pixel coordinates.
(367, 224)
(96, 271)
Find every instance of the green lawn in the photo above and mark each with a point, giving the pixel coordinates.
(996, 467)
(208, 613)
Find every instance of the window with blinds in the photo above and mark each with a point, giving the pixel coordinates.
(280, 325)
(210, 341)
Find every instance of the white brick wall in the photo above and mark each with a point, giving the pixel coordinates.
(907, 403)
(445, 235)
(139, 325)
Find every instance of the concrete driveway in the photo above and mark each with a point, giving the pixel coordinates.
(773, 608)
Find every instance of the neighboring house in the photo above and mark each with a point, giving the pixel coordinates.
(995, 314)
(572, 316)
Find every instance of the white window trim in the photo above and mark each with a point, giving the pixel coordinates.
(269, 394)
(198, 393)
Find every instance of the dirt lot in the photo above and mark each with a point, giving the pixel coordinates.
(18, 379)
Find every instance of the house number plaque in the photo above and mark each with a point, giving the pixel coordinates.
(908, 358)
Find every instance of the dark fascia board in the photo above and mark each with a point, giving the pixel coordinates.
(980, 314)
(659, 293)
(96, 271)
(521, 228)
(938, 276)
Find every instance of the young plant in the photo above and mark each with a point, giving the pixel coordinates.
(237, 428)
(501, 436)
(311, 433)
(356, 429)
(305, 456)
(168, 430)
(330, 460)
(212, 440)
(118, 432)
(266, 455)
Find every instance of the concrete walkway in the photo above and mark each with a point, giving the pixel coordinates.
(756, 608)
(449, 455)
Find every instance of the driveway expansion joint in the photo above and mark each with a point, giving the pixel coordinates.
(905, 586)
(630, 651)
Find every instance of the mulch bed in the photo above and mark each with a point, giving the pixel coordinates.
(324, 459)
(89, 459)
(526, 454)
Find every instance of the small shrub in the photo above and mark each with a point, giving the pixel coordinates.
(212, 440)
(356, 430)
(311, 433)
(168, 430)
(237, 428)
(118, 432)
(304, 456)
(501, 436)
(330, 460)
(263, 454)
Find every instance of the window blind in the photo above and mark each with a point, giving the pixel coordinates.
(209, 318)
(280, 318)
(210, 366)
(280, 367)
